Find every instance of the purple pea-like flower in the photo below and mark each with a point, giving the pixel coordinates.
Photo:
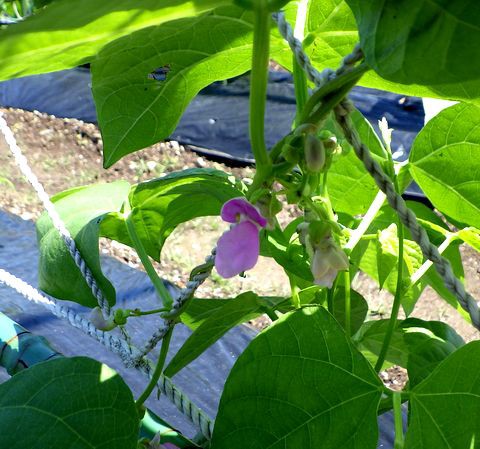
(238, 248)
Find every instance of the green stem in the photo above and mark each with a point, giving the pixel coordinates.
(299, 75)
(258, 85)
(152, 274)
(398, 421)
(294, 290)
(136, 312)
(397, 300)
(331, 296)
(301, 89)
(348, 304)
(271, 314)
(158, 370)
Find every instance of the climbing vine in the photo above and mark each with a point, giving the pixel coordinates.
(310, 380)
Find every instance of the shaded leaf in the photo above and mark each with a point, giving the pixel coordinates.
(420, 41)
(232, 313)
(290, 255)
(82, 210)
(67, 402)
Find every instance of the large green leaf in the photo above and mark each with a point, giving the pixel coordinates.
(68, 33)
(82, 210)
(159, 205)
(445, 162)
(331, 33)
(233, 312)
(444, 408)
(300, 384)
(420, 41)
(135, 110)
(67, 403)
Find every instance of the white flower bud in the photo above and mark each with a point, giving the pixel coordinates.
(97, 319)
(326, 264)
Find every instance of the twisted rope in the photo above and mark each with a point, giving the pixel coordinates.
(22, 163)
(407, 216)
(129, 354)
(197, 278)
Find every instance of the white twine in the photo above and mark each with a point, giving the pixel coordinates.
(22, 164)
(129, 354)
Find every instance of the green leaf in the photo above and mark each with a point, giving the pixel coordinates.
(66, 33)
(82, 210)
(233, 312)
(152, 424)
(428, 342)
(387, 252)
(290, 255)
(445, 162)
(65, 403)
(160, 205)
(412, 258)
(410, 345)
(452, 253)
(367, 255)
(444, 408)
(134, 110)
(471, 236)
(347, 178)
(285, 391)
(420, 41)
(331, 33)
(199, 311)
(370, 338)
(358, 309)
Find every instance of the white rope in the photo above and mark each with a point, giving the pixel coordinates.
(22, 163)
(129, 354)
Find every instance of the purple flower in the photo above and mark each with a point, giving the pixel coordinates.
(238, 248)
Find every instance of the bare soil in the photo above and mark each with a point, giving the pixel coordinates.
(65, 152)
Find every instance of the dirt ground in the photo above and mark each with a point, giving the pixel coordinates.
(65, 152)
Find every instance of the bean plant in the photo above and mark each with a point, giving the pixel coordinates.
(310, 379)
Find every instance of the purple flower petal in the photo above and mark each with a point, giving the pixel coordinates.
(237, 249)
(240, 206)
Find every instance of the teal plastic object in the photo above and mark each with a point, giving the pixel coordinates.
(19, 348)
